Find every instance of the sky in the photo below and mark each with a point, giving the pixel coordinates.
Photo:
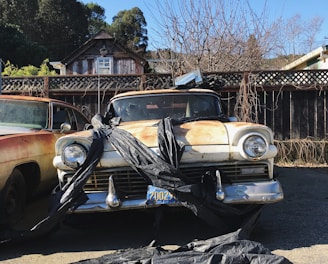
(276, 8)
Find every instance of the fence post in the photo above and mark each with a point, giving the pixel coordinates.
(46, 85)
(143, 80)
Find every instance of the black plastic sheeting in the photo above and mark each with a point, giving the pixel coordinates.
(161, 171)
(225, 249)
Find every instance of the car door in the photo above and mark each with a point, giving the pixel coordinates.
(65, 114)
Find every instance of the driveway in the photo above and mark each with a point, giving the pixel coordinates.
(295, 228)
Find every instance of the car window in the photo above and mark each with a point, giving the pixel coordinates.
(72, 119)
(60, 115)
(168, 105)
(63, 114)
(81, 121)
(29, 114)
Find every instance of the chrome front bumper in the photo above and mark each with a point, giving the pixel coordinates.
(242, 193)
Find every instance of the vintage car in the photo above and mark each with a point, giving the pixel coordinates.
(238, 155)
(29, 128)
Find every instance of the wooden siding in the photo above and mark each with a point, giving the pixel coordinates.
(84, 60)
(125, 66)
(88, 66)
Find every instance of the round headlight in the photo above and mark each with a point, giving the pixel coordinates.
(255, 146)
(74, 155)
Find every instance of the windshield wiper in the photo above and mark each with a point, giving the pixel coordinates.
(222, 118)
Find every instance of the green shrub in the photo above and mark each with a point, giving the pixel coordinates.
(30, 70)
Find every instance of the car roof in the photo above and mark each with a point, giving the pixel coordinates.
(33, 98)
(161, 91)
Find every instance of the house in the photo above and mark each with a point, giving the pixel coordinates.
(314, 60)
(101, 54)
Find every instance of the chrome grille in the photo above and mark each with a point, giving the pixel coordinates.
(243, 172)
(128, 182)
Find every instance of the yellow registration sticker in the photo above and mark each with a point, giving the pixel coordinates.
(157, 195)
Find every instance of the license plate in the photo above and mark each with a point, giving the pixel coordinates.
(157, 195)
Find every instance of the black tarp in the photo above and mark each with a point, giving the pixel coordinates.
(161, 171)
(224, 249)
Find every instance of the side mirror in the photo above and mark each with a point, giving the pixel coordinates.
(65, 127)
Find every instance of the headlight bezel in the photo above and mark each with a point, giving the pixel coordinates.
(74, 155)
(254, 146)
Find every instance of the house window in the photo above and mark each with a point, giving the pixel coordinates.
(105, 65)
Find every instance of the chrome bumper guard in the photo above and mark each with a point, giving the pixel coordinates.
(241, 193)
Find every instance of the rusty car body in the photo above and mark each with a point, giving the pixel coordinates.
(240, 155)
(29, 128)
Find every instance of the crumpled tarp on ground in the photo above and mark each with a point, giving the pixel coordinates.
(161, 171)
(225, 249)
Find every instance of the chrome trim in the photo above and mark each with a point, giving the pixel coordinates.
(128, 182)
(243, 193)
(256, 192)
(96, 203)
(112, 199)
(219, 192)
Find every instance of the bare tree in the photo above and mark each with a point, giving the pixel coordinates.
(293, 31)
(226, 35)
(311, 30)
(295, 37)
(213, 35)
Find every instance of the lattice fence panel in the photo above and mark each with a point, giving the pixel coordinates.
(85, 83)
(151, 82)
(298, 79)
(24, 85)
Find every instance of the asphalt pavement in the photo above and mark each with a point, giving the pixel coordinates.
(295, 228)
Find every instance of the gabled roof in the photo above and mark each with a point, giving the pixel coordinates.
(304, 61)
(101, 35)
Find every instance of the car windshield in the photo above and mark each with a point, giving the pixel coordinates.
(29, 114)
(176, 106)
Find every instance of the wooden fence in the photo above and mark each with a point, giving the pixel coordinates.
(292, 103)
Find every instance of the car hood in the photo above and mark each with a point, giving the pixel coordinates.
(8, 130)
(200, 132)
(203, 132)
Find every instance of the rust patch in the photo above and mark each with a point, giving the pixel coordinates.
(191, 133)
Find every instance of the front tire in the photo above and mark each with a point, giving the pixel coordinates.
(13, 198)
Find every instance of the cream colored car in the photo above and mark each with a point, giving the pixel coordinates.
(236, 156)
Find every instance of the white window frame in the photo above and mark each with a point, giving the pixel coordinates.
(105, 65)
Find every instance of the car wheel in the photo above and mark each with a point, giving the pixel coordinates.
(14, 198)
